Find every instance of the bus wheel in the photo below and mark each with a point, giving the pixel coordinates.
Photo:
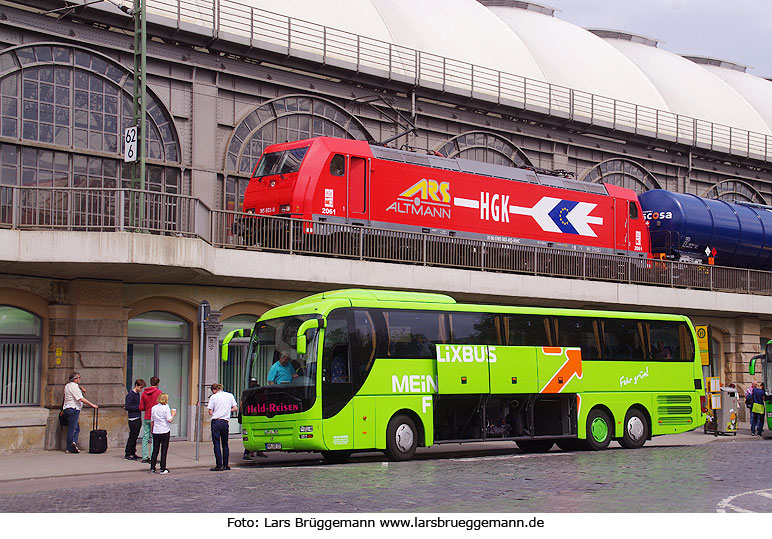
(535, 446)
(401, 438)
(336, 457)
(636, 430)
(572, 444)
(599, 430)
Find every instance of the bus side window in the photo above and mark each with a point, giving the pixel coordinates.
(368, 342)
(622, 339)
(527, 330)
(338, 165)
(582, 332)
(665, 341)
(414, 334)
(474, 328)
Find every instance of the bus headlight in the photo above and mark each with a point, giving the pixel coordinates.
(307, 428)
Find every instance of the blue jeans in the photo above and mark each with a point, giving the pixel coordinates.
(757, 423)
(73, 427)
(220, 436)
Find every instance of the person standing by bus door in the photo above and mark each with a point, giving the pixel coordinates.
(73, 404)
(148, 399)
(757, 410)
(135, 419)
(221, 405)
(247, 454)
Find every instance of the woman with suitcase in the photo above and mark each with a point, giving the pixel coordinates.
(73, 404)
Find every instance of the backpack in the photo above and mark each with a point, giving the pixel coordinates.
(749, 400)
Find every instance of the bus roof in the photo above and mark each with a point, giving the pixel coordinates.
(324, 302)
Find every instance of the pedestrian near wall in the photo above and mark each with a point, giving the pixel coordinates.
(148, 399)
(135, 418)
(160, 423)
(757, 410)
(221, 405)
(73, 404)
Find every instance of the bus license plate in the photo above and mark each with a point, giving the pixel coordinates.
(272, 446)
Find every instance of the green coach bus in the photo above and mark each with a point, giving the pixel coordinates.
(392, 371)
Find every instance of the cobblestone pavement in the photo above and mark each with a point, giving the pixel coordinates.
(705, 478)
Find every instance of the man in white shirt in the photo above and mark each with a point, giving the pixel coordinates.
(221, 405)
(72, 405)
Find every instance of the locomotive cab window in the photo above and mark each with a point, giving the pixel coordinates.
(633, 210)
(338, 165)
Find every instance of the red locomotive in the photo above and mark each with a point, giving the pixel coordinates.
(338, 181)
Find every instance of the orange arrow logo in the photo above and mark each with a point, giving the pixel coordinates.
(572, 367)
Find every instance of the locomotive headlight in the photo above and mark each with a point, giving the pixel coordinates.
(273, 183)
(285, 208)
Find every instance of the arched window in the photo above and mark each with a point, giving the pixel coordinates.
(77, 103)
(486, 148)
(623, 173)
(159, 345)
(734, 191)
(21, 344)
(284, 119)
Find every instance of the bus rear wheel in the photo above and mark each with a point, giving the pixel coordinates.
(336, 457)
(599, 430)
(401, 438)
(636, 430)
(535, 446)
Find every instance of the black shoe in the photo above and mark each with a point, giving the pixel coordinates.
(152, 470)
(130, 457)
(74, 449)
(246, 457)
(216, 469)
(226, 467)
(145, 461)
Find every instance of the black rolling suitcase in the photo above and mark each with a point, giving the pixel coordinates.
(97, 442)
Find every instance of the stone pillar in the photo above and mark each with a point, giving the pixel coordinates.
(88, 334)
(212, 329)
(744, 345)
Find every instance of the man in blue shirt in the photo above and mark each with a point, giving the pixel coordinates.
(282, 372)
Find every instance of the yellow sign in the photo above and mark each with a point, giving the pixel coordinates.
(703, 342)
(713, 384)
(58, 356)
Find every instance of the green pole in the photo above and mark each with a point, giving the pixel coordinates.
(139, 103)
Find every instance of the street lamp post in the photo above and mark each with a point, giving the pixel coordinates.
(140, 102)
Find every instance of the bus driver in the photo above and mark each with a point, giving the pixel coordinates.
(281, 372)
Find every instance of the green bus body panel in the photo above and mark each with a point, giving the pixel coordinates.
(663, 390)
(462, 370)
(514, 370)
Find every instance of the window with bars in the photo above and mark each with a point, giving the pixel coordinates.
(20, 357)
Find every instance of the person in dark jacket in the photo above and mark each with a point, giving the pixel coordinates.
(148, 399)
(757, 417)
(135, 419)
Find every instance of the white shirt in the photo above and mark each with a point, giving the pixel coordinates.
(221, 404)
(72, 396)
(161, 416)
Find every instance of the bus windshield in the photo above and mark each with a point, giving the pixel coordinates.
(286, 379)
(284, 162)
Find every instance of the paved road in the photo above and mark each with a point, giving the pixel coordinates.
(700, 478)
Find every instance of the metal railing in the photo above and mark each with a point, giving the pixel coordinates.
(229, 20)
(104, 210)
(295, 236)
(131, 210)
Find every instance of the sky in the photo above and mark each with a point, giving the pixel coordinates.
(739, 31)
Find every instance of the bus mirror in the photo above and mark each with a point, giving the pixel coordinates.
(752, 364)
(314, 323)
(236, 333)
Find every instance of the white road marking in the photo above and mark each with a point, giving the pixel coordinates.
(726, 505)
